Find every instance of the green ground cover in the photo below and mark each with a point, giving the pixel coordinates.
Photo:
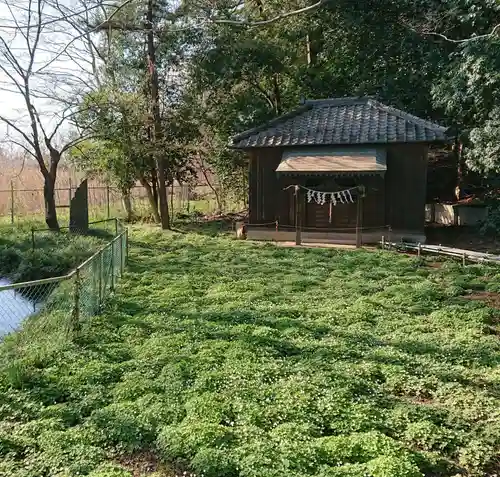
(51, 255)
(223, 358)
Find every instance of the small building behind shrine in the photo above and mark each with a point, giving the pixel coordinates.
(337, 169)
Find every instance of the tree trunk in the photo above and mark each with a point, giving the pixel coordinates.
(309, 50)
(212, 187)
(151, 199)
(460, 168)
(277, 95)
(127, 204)
(154, 183)
(50, 202)
(314, 45)
(157, 130)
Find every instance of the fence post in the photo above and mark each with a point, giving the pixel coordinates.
(126, 246)
(172, 215)
(112, 265)
(101, 271)
(32, 239)
(120, 248)
(95, 283)
(107, 202)
(12, 202)
(75, 315)
(116, 226)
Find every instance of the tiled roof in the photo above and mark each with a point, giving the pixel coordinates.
(341, 121)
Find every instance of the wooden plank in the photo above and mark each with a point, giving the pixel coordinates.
(406, 181)
(359, 218)
(252, 188)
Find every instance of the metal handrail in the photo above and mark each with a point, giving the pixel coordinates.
(43, 281)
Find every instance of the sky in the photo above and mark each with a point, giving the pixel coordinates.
(61, 66)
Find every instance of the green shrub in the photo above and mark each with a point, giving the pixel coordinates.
(54, 253)
(427, 436)
(358, 448)
(477, 455)
(390, 466)
(214, 462)
(121, 425)
(186, 439)
(110, 470)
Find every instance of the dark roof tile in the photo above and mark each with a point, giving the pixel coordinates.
(341, 121)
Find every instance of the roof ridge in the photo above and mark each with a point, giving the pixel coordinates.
(339, 101)
(271, 122)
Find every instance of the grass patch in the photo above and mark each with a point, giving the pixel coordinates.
(53, 254)
(225, 358)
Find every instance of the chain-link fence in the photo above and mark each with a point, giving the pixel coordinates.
(103, 229)
(17, 203)
(64, 302)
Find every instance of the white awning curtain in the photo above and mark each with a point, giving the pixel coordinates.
(343, 162)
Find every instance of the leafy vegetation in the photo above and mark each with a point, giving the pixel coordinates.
(53, 253)
(226, 358)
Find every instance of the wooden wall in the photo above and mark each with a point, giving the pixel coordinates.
(374, 203)
(397, 199)
(267, 201)
(406, 181)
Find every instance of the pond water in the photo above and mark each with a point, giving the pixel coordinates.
(14, 308)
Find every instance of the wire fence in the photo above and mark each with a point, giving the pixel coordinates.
(104, 229)
(17, 203)
(64, 302)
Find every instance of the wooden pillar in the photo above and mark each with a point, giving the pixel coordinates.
(253, 189)
(298, 216)
(359, 216)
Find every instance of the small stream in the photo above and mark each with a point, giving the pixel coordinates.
(14, 308)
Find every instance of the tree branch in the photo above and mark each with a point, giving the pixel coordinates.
(221, 21)
(16, 128)
(464, 40)
(444, 37)
(77, 141)
(22, 146)
(282, 16)
(77, 37)
(56, 19)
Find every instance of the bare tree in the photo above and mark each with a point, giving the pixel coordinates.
(30, 70)
(46, 66)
